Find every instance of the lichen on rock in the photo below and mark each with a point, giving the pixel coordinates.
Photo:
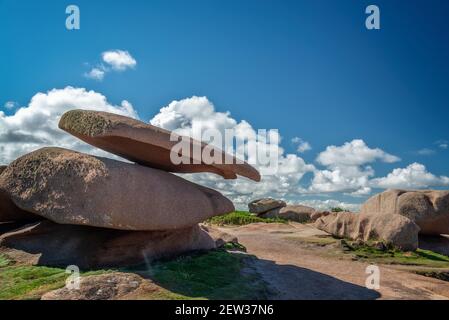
(84, 122)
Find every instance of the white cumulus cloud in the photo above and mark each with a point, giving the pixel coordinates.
(329, 204)
(112, 60)
(414, 176)
(347, 168)
(119, 60)
(354, 153)
(36, 125)
(95, 74)
(301, 145)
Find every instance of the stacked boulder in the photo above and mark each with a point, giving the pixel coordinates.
(272, 208)
(96, 212)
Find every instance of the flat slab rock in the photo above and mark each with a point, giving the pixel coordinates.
(429, 209)
(146, 144)
(69, 187)
(50, 244)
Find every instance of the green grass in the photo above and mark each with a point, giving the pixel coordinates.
(25, 282)
(239, 218)
(30, 282)
(235, 246)
(217, 274)
(4, 261)
(420, 257)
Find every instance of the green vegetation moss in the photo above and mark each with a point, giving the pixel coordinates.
(30, 282)
(84, 122)
(239, 218)
(389, 255)
(218, 274)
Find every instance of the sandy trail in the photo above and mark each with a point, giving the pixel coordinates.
(298, 270)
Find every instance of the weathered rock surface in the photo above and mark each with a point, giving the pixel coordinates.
(68, 187)
(146, 144)
(50, 244)
(10, 212)
(220, 237)
(109, 286)
(428, 208)
(318, 214)
(390, 228)
(260, 206)
(298, 213)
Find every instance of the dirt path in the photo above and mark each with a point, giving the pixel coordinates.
(297, 269)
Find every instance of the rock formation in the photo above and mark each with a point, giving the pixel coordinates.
(109, 286)
(261, 206)
(68, 187)
(148, 145)
(396, 230)
(96, 212)
(429, 209)
(272, 208)
(52, 244)
(298, 213)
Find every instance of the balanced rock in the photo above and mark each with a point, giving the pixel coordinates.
(260, 206)
(69, 187)
(149, 145)
(298, 213)
(393, 229)
(428, 208)
(50, 244)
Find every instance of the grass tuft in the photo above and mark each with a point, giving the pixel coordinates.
(214, 275)
(239, 218)
(391, 255)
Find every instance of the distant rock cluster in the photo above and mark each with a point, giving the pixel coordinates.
(429, 209)
(93, 211)
(395, 217)
(272, 208)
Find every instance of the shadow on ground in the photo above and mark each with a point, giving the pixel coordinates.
(438, 244)
(257, 279)
(295, 283)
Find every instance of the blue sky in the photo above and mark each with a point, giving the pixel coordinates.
(308, 68)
